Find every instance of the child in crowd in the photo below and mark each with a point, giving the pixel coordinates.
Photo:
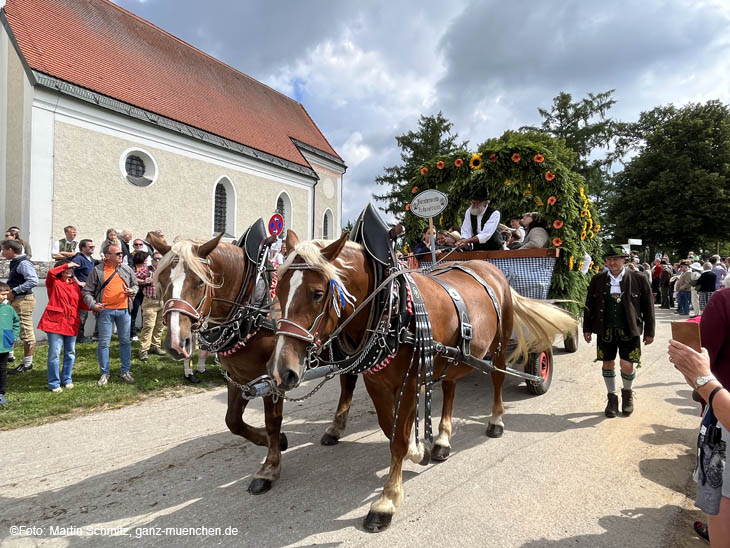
(9, 331)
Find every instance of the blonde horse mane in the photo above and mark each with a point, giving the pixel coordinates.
(185, 250)
(536, 324)
(311, 252)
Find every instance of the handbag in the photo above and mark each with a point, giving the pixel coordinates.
(711, 462)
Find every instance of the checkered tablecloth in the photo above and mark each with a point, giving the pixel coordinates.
(529, 276)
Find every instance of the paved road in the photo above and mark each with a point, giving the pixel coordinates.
(562, 475)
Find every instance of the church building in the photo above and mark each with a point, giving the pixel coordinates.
(107, 121)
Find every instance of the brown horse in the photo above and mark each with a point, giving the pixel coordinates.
(210, 288)
(309, 315)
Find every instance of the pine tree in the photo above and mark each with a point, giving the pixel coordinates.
(433, 137)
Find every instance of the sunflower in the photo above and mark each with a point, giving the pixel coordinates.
(476, 161)
(539, 158)
(458, 162)
(597, 228)
(592, 235)
(557, 223)
(414, 190)
(557, 242)
(493, 157)
(440, 164)
(552, 200)
(538, 202)
(580, 265)
(424, 170)
(583, 235)
(516, 158)
(507, 182)
(582, 192)
(570, 263)
(549, 176)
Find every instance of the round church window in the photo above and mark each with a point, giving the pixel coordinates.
(138, 167)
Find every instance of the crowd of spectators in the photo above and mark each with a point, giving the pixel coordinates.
(114, 287)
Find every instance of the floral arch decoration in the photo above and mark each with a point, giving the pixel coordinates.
(522, 172)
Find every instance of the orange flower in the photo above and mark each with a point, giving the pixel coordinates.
(493, 157)
(557, 242)
(408, 207)
(424, 170)
(539, 158)
(414, 190)
(552, 200)
(458, 162)
(549, 176)
(440, 164)
(557, 223)
(516, 158)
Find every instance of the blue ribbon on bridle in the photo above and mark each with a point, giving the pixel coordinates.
(340, 297)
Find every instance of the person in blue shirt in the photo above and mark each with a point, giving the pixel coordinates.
(86, 262)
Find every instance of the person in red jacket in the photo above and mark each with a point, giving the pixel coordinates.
(61, 321)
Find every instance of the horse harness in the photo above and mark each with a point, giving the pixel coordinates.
(245, 316)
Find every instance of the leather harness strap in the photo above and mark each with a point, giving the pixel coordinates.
(464, 322)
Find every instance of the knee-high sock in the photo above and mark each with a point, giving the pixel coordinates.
(609, 377)
(628, 379)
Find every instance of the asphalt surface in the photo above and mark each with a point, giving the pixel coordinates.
(562, 475)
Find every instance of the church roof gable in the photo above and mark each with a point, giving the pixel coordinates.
(99, 46)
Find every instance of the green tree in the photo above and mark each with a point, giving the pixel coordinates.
(584, 127)
(675, 194)
(433, 137)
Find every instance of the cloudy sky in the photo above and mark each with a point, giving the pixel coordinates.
(366, 70)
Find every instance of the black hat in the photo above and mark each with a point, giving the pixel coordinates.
(479, 196)
(615, 251)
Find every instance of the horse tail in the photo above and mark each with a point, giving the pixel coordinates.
(536, 324)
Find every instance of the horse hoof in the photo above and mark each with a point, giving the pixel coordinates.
(426, 456)
(329, 439)
(375, 522)
(259, 486)
(495, 430)
(440, 453)
(283, 442)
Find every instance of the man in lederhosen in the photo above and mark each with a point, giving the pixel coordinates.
(619, 306)
(480, 226)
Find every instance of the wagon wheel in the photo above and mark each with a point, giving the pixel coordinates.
(540, 364)
(570, 341)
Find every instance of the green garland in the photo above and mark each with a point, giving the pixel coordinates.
(522, 172)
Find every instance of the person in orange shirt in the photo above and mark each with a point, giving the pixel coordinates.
(109, 291)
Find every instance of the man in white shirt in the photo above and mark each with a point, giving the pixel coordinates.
(480, 226)
(65, 248)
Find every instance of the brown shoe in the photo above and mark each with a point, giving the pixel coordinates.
(612, 407)
(142, 355)
(627, 402)
(157, 351)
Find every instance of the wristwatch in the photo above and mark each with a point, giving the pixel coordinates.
(701, 381)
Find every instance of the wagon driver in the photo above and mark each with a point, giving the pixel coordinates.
(480, 225)
(619, 305)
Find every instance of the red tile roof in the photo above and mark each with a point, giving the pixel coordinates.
(99, 46)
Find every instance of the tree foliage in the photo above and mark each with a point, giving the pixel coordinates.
(433, 137)
(675, 193)
(584, 127)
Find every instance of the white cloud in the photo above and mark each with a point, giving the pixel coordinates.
(353, 151)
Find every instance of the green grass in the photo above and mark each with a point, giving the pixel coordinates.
(31, 403)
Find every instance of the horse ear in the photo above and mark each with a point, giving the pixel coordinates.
(331, 251)
(205, 249)
(292, 240)
(158, 242)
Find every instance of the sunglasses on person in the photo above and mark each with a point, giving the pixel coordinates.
(138, 245)
(118, 254)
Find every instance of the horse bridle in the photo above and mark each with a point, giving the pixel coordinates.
(194, 312)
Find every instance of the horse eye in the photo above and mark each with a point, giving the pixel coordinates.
(200, 284)
(317, 296)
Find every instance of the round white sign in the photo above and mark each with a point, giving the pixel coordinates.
(429, 203)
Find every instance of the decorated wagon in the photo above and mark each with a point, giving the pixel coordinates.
(523, 172)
